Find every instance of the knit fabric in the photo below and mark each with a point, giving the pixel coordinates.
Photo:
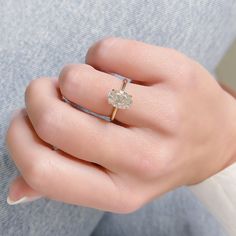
(38, 37)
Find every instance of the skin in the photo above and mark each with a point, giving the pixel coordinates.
(179, 131)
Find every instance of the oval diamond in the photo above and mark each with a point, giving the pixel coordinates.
(119, 99)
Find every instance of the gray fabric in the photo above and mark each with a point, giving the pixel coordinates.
(38, 37)
(176, 214)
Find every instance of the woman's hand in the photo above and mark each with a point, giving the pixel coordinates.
(179, 131)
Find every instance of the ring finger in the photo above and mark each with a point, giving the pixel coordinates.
(88, 87)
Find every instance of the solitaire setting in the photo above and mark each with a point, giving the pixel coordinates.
(119, 99)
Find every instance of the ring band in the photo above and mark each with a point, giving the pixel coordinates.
(119, 99)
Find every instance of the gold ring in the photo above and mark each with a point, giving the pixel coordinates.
(119, 99)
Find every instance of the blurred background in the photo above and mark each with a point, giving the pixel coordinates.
(226, 71)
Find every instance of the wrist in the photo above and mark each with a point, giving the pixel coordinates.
(231, 94)
(231, 120)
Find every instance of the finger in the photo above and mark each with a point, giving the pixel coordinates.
(73, 131)
(56, 175)
(21, 192)
(89, 88)
(136, 60)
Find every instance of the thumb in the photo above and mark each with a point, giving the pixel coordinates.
(20, 191)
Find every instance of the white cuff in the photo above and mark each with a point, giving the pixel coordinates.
(218, 193)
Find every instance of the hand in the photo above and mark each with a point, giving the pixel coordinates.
(179, 131)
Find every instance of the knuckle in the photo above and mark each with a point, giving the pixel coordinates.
(145, 165)
(128, 203)
(173, 118)
(186, 72)
(106, 42)
(131, 205)
(67, 75)
(184, 67)
(165, 159)
(10, 134)
(36, 174)
(12, 131)
(129, 208)
(154, 164)
(70, 75)
(100, 48)
(33, 88)
(45, 123)
(83, 70)
(126, 198)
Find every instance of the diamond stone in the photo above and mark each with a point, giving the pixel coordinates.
(119, 99)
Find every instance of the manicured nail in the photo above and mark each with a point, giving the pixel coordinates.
(22, 200)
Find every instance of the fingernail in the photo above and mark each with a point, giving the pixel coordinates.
(22, 200)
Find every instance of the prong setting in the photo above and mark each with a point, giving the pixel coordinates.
(120, 99)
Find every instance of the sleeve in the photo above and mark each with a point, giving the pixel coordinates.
(218, 193)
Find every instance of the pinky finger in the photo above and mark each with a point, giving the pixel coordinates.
(20, 192)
